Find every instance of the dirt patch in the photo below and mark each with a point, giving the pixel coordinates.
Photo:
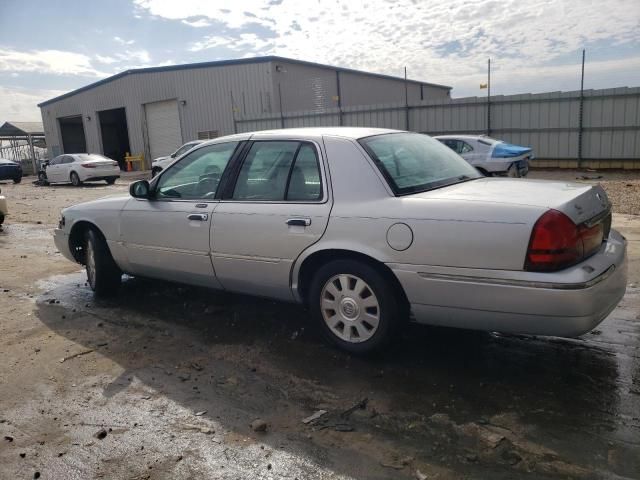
(167, 381)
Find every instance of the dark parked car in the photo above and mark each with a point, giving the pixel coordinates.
(10, 170)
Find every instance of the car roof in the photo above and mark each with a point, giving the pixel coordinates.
(309, 132)
(462, 137)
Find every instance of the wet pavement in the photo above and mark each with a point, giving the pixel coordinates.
(175, 375)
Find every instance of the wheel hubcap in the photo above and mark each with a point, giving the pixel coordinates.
(350, 308)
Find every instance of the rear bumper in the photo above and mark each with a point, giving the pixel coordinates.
(94, 174)
(567, 303)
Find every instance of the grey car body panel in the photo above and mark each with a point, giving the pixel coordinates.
(460, 265)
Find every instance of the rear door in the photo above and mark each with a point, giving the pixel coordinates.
(278, 205)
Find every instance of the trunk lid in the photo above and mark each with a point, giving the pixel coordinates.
(580, 202)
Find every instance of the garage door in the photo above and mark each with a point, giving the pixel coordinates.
(163, 127)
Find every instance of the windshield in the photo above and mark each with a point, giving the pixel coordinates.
(412, 162)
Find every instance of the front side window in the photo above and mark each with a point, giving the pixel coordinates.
(412, 162)
(279, 171)
(183, 149)
(197, 175)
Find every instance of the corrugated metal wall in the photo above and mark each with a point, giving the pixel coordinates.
(315, 89)
(549, 122)
(206, 91)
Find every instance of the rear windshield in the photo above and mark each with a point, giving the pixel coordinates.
(413, 162)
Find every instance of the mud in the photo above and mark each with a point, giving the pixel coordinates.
(175, 376)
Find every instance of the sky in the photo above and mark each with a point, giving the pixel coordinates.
(51, 47)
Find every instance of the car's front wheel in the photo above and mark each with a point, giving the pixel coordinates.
(42, 178)
(355, 306)
(17, 180)
(102, 272)
(111, 181)
(75, 179)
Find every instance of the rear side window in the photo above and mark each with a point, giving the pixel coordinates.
(279, 171)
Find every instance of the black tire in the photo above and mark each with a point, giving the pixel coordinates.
(17, 180)
(75, 179)
(42, 178)
(103, 274)
(390, 314)
(111, 181)
(155, 171)
(513, 171)
(1, 218)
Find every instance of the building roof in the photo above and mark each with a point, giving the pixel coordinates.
(20, 129)
(223, 63)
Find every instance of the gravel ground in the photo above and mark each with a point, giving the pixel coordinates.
(167, 381)
(622, 187)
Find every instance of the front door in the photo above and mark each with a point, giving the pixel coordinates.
(54, 169)
(167, 236)
(278, 207)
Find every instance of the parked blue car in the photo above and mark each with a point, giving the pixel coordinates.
(10, 170)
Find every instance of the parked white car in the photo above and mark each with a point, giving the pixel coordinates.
(77, 168)
(368, 227)
(161, 163)
(490, 156)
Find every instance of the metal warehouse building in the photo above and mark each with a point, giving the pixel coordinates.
(152, 111)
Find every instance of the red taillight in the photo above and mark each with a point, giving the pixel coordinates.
(556, 242)
(88, 165)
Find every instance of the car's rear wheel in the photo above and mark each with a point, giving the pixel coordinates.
(17, 180)
(155, 171)
(513, 171)
(111, 181)
(103, 274)
(355, 306)
(75, 179)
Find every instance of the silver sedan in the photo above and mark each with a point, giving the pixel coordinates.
(367, 227)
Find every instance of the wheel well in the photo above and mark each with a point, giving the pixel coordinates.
(315, 260)
(76, 239)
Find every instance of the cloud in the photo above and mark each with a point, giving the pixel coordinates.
(19, 104)
(199, 23)
(122, 41)
(442, 42)
(55, 62)
(105, 59)
(248, 43)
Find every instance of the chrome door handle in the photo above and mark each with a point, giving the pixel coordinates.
(299, 222)
(200, 217)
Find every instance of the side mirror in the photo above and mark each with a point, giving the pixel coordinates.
(173, 155)
(140, 189)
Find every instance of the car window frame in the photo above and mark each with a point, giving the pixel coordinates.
(224, 177)
(227, 194)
